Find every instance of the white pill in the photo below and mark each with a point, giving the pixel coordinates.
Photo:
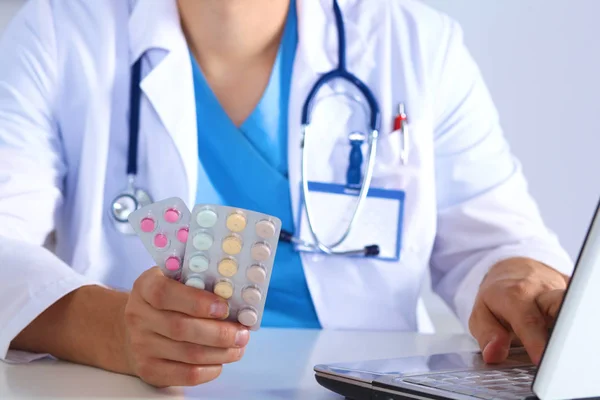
(256, 274)
(265, 229)
(252, 295)
(206, 218)
(247, 317)
(260, 251)
(196, 282)
(198, 263)
(202, 241)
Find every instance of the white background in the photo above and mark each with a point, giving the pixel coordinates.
(541, 60)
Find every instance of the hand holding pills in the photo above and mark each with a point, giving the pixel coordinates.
(175, 333)
(224, 250)
(183, 334)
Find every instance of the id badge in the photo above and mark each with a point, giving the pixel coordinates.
(379, 221)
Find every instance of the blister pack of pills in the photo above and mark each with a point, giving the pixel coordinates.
(230, 251)
(163, 228)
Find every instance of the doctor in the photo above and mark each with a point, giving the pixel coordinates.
(221, 97)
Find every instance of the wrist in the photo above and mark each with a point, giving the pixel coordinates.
(109, 348)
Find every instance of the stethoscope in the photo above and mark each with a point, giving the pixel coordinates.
(355, 161)
(133, 197)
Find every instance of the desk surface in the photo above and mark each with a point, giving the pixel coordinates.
(278, 364)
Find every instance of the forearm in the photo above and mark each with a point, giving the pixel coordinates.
(85, 327)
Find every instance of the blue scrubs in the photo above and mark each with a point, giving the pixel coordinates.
(256, 178)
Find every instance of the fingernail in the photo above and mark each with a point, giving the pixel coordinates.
(218, 309)
(241, 338)
(226, 315)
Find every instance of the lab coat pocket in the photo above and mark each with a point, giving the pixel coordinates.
(416, 178)
(403, 158)
(371, 227)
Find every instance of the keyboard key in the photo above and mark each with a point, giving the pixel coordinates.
(498, 388)
(524, 385)
(505, 384)
(513, 396)
(465, 374)
(469, 382)
(463, 390)
(442, 377)
(524, 370)
(417, 380)
(493, 373)
(493, 381)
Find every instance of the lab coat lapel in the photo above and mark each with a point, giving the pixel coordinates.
(155, 33)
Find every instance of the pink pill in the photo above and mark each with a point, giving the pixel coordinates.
(147, 225)
(182, 235)
(161, 241)
(172, 263)
(171, 215)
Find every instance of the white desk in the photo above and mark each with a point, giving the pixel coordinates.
(278, 364)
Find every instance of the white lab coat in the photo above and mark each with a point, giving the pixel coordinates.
(64, 87)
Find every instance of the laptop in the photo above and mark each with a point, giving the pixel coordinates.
(569, 368)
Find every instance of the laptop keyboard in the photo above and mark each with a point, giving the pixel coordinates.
(510, 384)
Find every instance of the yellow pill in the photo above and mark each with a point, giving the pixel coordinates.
(236, 222)
(228, 267)
(224, 289)
(232, 245)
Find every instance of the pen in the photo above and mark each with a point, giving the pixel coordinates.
(400, 123)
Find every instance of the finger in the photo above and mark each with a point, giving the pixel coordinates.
(549, 302)
(207, 332)
(529, 325)
(190, 353)
(163, 373)
(167, 294)
(493, 338)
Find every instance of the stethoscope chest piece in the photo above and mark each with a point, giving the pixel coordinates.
(125, 203)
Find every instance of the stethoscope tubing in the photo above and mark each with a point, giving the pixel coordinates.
(330, 248)
(374, 123)
(134, 118)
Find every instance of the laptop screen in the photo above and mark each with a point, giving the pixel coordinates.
(570, 362)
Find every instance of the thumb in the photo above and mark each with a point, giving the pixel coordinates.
(549, 302)
(493, 338)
